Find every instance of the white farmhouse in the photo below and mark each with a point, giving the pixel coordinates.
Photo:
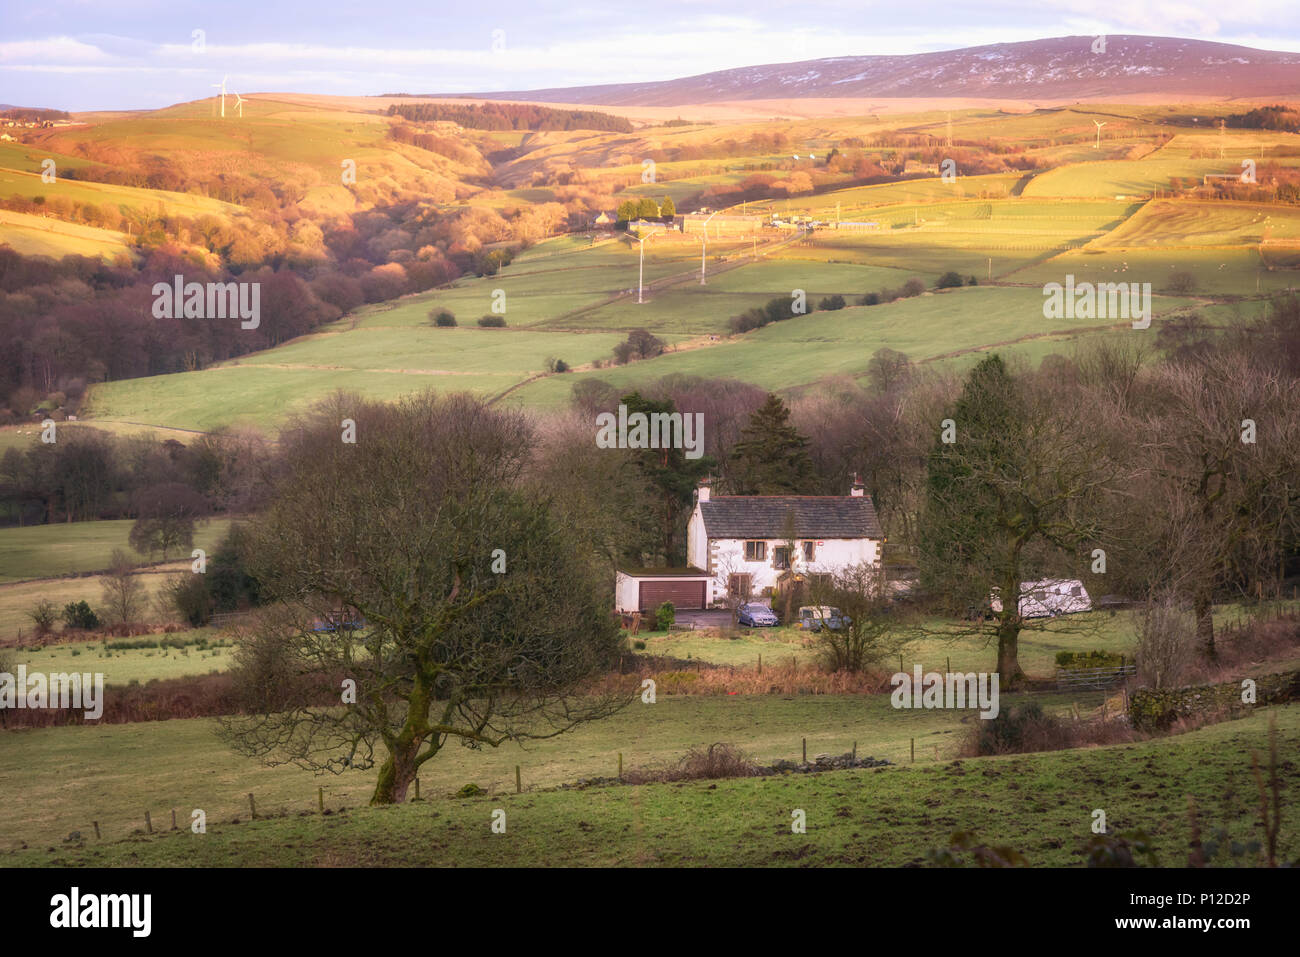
(740, 541)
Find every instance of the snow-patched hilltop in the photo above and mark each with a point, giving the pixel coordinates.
(1057, 68)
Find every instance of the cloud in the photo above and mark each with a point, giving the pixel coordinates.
(571, 44)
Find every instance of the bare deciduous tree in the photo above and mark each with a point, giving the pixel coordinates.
(124, 596)
(419, 564)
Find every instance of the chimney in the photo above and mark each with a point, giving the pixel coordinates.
(702, 492)
(858, 489)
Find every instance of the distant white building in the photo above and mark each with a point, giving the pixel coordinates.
(1049, 597)
(740, 541)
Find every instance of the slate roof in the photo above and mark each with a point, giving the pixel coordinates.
(815, 516)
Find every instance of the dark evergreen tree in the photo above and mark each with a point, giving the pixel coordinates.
(673, 476)
(771, 457)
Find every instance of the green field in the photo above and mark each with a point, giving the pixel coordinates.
(1133, 179)
(386, 358)
(73, 548)
(802, 350)
(40, 236)
(569, 297)
(28, 185)
(1216, 272)
(124, 666)
(18, 598)
(880, 817)
(1166, 223)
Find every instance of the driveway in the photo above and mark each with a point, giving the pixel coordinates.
(710, 618)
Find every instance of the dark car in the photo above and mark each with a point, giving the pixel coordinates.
(817, 617)
(756, 616)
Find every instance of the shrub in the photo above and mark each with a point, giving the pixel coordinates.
(913, 287)
(665, 615)
(639, 344)
(79, 615)
(949, 280)
(972, 281)
(188, 596)
(492, 322)
(1019, 729)
(831, 303)
(1089, 659)
(1166, 642)
(715, 761)
(1181, 283)
(639, 645)
(442, 317)
(556, 365)
(870, 299)
(43, 615)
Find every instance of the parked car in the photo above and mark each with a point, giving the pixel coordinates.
(817, 617)
(337, 621)
(756, 616)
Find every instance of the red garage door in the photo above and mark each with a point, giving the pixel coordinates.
(683, 594)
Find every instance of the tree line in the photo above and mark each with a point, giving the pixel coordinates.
(510, 116)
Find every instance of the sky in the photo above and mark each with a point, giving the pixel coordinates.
(145, 54)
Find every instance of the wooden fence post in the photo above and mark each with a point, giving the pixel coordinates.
(148, 822)
(914, 750)
(96, 823)
(252, 805)
(519, 783)
(173, 819)
(417, 788)
(620, 765)
(805, 750)
(320, 799)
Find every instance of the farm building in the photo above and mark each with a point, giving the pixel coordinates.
(1049, 597)
(741, 540)
(721, 224)
(645, 589)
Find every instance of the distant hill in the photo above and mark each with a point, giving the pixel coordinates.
(1061, 68)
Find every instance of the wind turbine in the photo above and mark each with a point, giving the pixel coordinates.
(1099, 126)
(222, 84)
(239, 103)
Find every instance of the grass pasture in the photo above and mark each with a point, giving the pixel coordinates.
(28, 185)
(1217, 272)
(74, 548)
(1170, 223)
(1133, 179)
(17, 598)
(124, 666)
(855, 818)
(808, 348)
(42, 236)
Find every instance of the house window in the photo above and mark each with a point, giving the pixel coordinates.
(740, 586)
(781, 557)
(756, 551)
(809, 551)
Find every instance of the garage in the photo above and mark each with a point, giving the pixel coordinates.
(683, 594)
(645, 589)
